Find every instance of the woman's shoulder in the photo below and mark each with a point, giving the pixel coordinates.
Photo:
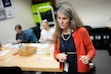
(52, 30)
(43, 30)
(81, 30)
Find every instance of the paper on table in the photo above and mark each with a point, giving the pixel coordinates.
(9, 59)
(39, 52)
(7, 45)
(39, 45)
(32, 44)
(2, 53)
(10, 45)
(51, 50)
(36, 45)
(13, 46)
(44, 45)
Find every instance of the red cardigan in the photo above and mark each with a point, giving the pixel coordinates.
(83, 45)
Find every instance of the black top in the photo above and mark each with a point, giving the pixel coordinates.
(22, 37)
(69, 46)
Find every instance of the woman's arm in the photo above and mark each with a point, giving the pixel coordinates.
(56, 50)
(61, 57)
(41, 37)
(90, 50)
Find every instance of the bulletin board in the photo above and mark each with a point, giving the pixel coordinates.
(6, 10)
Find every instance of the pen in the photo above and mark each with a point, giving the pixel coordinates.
(15, 54)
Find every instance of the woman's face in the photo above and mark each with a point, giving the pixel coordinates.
(63, 20)
(45, 25)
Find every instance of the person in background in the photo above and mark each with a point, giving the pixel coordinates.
(21, 37)
(73, 47)
(0, 45)
(46, 33)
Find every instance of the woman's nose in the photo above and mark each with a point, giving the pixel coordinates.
(61, 21)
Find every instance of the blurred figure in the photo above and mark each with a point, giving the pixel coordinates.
(46, 33)
(0, 44)
(21, 37)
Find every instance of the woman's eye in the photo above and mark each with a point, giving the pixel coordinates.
(59, 18)
(64, 18)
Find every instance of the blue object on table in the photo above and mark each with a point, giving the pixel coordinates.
(20, 45)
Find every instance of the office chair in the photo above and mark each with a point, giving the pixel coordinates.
(10, 70)
(31, 36)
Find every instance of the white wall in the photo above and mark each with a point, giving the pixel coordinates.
(22, 15)
(92, 12)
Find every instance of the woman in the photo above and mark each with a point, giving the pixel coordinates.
(46, 33)
(73, 46)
